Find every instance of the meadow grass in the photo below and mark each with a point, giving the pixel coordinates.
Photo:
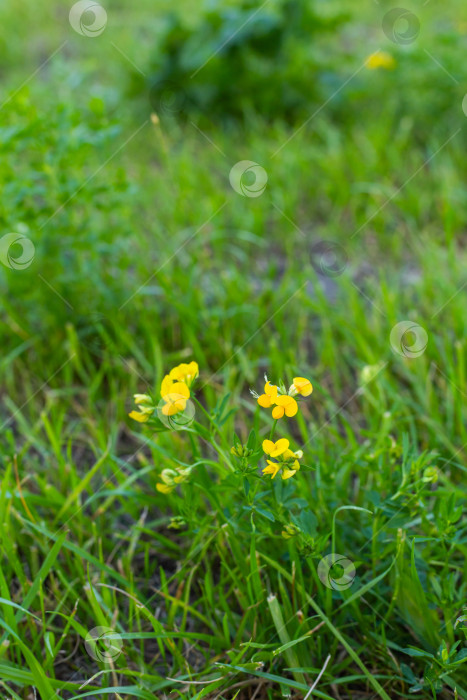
(145, 257)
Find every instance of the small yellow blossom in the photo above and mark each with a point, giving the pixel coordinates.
(145, 406)
(287, 459)
(166, 385)
(293, 458)
(175, 392)
(380, 59)
(272, 468)
(281, 400)
(164, 488)
(186, 373)
(142, 399)
(175, 399)
(274, 449)
(302, 386)
(170, 479)
(288, 473)
(138, 416)
(175, 387)
(267, 399)
(285, 406)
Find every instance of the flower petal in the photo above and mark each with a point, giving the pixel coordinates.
(163, 488)
(283, 400)
(278, 412)
(268, 446)
(288, 473)
(270, 390)
(174, 403)
(272, 468)
(193, 369)
(181, 389)
(264, 400)
(141, 399)
(184, 372)
(280, 447)
(291, 408)
(140, 417)
(288, 404)
(166, 385)
(303, 385)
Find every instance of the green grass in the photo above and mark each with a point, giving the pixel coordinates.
(146, 257)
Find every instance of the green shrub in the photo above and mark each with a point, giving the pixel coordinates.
(239, 60)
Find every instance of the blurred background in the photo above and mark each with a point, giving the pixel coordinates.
(120, 126)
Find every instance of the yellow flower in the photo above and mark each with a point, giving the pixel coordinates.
(302, 386)
(142, 399)
(175, 392)
(287, 473)
(166, 385)
(185, 373)
(272, 468)
(175, 387)
(146, 408)
(164, 488)
(269, 397)
(172, 477)
(380, 59)
(140, 417)
(274, 449)
(287, 459)
(175, 399)
(285, 406)
(280, 399)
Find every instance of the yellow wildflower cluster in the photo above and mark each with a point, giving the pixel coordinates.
(286, 460)
(175, 387)
(145, 406)
(284, 401)
(175, 392)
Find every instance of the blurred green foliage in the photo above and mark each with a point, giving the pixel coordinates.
(240, 60)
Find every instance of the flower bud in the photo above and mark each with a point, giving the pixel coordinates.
(289, 531)
(430, 475)
(142, 399)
